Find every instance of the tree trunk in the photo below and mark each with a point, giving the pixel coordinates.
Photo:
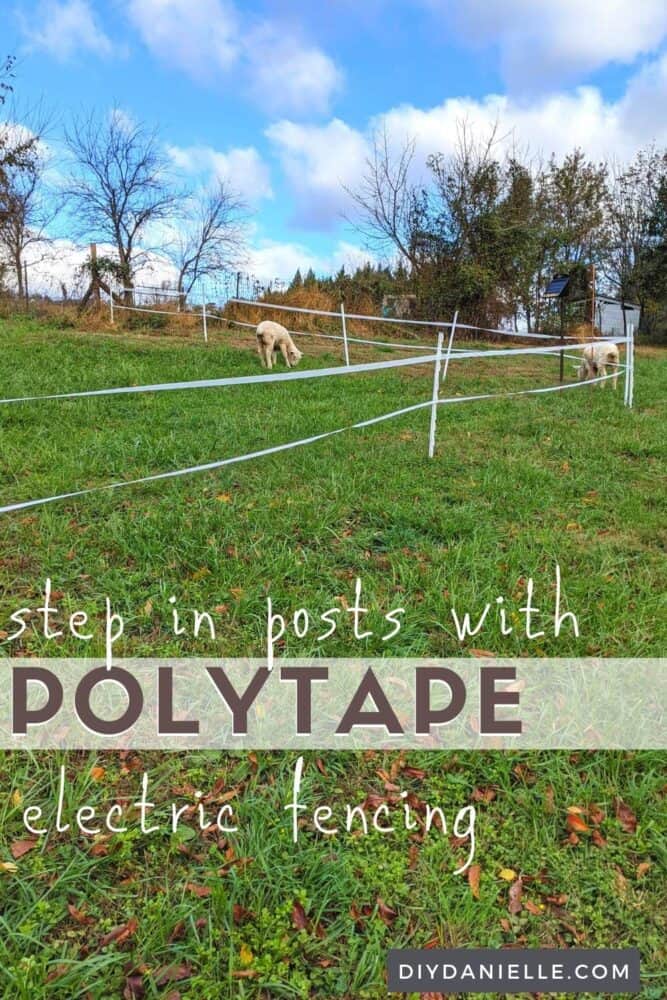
(18, 270)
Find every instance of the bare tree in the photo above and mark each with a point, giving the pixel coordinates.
(119, 186)
(19, 145)
(27, 207)
(211, 236)
(30, 206)
(387, 201)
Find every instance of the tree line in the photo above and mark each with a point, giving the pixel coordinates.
(486, 231)
(481, 230)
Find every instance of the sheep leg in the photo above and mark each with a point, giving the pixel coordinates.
(283, 351)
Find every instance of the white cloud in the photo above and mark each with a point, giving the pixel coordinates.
(65, 28)
(199, 38)
(54, 264)
(319, 160)
(271, 259)
(286, 75)
(242, 168)
(283, 73)
(552, 41)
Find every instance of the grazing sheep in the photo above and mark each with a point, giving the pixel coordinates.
(271, 338)
(595, 359)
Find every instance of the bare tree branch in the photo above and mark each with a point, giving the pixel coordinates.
(386, 199)
(211, 237)
(119, 185)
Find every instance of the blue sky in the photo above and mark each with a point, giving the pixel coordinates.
(281, 98)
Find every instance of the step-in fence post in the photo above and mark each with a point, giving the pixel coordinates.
(436, 388)
(203, 315)
(111, 288)
(626, 380)
(449, 346)
(346, 350)
(631, 361)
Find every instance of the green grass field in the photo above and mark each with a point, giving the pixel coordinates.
(517, 486)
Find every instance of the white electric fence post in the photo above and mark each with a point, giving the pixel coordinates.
(203, 315)
(449, 345)
(631, 353)
(626, 381)
(346, 350)
(434, 403)
(111, 287)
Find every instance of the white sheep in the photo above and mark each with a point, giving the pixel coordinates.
(595, 359)
(271, 338)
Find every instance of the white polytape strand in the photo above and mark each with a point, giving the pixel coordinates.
(395, 321)
(235, 380)
(299, 375)
(209, 466)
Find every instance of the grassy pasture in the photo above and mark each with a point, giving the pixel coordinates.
(516, 486)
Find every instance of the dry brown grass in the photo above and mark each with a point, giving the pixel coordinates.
(583, 332)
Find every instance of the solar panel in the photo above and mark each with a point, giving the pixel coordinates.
(557, 285)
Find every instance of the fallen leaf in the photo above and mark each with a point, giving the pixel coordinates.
(484, 795)
(598, 839)
(299, 918)
(134, 987)
(596, 815)
(576, 824)
(643, 868)
(414, 772)
(385, 912)
(246, 955)
(97, 773)
(198, 890)
(516, 891)
(625, 816)
(239, 913)
(172, 974)
(533, 908)
(474, 873)
(21, 847)
(120, 933)
(507, 874)
(57, 971)
(178, 932)
(9, 867)
(78, 915)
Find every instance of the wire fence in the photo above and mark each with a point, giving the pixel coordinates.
(435, 355)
